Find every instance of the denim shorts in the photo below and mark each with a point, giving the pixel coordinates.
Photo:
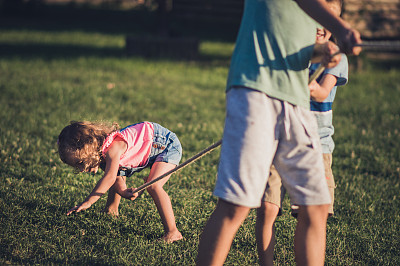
(166, 148)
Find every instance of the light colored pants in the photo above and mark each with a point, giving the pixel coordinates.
(275, 192)
(260, 130)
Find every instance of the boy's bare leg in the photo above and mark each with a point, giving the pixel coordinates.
(114, 198)
(219, 232)
(310, 236)
(163, 202)
(265, 233)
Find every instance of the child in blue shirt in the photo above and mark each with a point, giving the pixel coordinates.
(322, 94)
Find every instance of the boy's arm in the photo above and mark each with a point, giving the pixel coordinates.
(320, 91)
(347, 37)
(103, 185)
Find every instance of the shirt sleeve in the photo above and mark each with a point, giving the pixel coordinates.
(109, 140)
(341, 71)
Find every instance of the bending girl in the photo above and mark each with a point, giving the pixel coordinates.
(89, 146)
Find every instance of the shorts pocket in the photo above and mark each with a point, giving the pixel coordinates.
(158, 145)
(309, 123)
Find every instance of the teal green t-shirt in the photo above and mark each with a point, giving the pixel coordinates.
(273, 50)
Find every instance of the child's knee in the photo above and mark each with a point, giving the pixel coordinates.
(155, 189)
(120, 179)
(314, 212)
(268, 209)
(119, 184)
(232, 211)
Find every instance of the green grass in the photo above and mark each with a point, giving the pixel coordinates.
(49, 77)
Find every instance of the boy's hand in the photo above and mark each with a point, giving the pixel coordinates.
(128, 194)
(347, 41)
(81, 207)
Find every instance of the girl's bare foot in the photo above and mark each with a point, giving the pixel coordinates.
(172, 237)
(111, 212)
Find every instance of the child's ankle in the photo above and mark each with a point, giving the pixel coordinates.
(111, 211)
(171, 237)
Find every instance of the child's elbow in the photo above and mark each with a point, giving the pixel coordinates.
(319, 98)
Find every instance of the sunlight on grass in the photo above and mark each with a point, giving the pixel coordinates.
(74, 77)
(217, 48)
(63, 37)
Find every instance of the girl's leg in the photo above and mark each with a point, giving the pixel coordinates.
(265, 233)
(163, 202)
(114, 198)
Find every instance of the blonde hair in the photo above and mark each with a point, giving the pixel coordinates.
(79, 143)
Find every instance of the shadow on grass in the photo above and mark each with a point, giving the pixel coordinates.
(57, 51)
(131, 22)
(112, 21)
(69, 18)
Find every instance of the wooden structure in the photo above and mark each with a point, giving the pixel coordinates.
(220, 11)
(375, 19)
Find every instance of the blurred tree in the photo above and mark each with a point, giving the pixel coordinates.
(10, 7)
(18, 7)
(164, 8)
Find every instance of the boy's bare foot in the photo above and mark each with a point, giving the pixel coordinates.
(172, 237)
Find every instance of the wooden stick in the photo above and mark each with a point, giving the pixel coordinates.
(191, 160)
(380, 45)
(319, 70)
(316, 73)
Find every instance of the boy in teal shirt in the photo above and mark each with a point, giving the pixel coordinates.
(268, 121)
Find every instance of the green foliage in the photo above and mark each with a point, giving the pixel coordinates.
(74, 75)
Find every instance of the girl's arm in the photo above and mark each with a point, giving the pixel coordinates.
(113, 155)
(320, 91)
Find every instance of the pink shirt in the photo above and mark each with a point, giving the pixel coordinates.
(139, 138)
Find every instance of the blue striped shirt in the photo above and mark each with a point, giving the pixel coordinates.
(323, 110)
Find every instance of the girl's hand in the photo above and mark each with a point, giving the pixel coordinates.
(128, 194)
(81, 207)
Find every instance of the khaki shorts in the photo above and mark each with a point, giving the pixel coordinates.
(275, 192)
(261, 131)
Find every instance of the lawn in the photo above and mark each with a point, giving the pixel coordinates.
(52, 72)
